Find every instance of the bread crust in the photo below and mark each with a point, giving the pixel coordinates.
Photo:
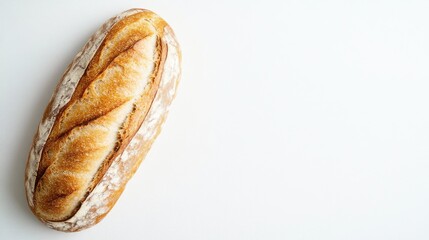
(89, 144)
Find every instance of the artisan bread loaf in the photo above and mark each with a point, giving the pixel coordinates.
(102, 119)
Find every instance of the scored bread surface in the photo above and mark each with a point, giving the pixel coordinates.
(89, 145)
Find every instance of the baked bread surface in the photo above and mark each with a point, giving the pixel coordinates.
(98, 137)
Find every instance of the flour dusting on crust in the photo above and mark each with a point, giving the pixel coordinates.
(99, 201)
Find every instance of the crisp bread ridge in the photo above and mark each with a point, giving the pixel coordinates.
(92, 210)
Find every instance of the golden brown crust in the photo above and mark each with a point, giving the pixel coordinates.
(103, 115)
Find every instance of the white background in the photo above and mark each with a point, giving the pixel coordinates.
(293, 120)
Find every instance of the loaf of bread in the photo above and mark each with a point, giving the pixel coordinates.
(102, 119)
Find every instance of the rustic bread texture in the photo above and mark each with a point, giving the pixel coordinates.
(98, 138)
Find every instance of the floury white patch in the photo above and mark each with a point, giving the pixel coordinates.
(98, 202)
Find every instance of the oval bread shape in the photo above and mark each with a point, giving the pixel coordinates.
(102, 119)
